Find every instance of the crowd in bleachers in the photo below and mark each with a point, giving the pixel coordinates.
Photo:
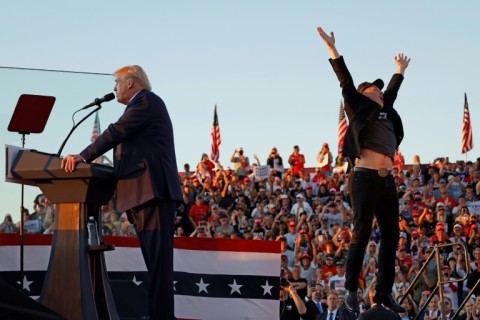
(308, 211)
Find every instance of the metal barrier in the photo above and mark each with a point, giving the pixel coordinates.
(440, 282)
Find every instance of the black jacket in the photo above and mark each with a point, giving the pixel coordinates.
(361, 110)
(378, 312)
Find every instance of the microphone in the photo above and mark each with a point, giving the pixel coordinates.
(108, 97)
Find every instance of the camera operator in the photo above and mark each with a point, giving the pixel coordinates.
(202, 231)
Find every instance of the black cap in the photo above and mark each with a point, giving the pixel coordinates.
(364, 85)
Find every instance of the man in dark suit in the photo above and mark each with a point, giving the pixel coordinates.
(374, 132)
(148, 187)
(377, 311)
(334, 311)
(313, 300)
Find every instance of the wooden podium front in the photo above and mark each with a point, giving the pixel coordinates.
(76, 284)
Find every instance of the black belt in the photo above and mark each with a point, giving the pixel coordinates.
(382, 172)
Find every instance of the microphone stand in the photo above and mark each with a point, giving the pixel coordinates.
(22, 223)
(75, 127)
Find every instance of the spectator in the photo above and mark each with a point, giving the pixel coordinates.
(301, 206)
(26, 217)
(324, 160)
(337, 282)
(432, 312)
(205, 168)
(331, 215)
(179, 231)
(469, 311)
(292, 235)
(427, 222)
(7, 226)
(292, 305)
(334, 308)
(371, 251)
(471, 193)
(450, 289)
(202, 231)
(296, 161)
(287, 255)
(275, 162)
(241, 163)
(224, 228)
(370, 269)
(329, 268)
(400, 284)
(314, 300)
(398, 160)
(297, 282)
(307, 267)
(198, 212)
(410, 307)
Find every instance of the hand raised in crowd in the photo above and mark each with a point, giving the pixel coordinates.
(302, 218)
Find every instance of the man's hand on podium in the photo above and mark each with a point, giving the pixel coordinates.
(70, 161)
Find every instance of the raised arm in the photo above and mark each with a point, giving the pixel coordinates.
(401, 61)
(330, 42)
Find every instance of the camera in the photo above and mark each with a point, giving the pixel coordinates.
(332, 285)
(284, 283)
(200, 229)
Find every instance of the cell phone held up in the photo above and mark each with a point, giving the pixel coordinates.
(284, 283)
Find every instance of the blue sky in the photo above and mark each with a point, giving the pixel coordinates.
(261, 62)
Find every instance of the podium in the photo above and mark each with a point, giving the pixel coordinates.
(76, 284)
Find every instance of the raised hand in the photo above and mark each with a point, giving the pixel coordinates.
(402, 62)
(328, 39)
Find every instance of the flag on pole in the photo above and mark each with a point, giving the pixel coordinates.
(96, 128)
(95, 133)
(215, 155)
(467, 138)
(342, 127)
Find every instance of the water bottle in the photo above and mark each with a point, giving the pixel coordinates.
(92, 232)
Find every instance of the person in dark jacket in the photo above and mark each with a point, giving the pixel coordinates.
(148, 187)
(377, 311)
(374, 133)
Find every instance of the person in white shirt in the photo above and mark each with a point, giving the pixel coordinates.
(337, 282)
(301, 206)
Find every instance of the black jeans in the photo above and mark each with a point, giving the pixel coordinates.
(373, 195)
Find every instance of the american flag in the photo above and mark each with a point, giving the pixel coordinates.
(213, 278)
(216, 141)
(342, 127)
(467, 139)
(95, 133)
(96, 128)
